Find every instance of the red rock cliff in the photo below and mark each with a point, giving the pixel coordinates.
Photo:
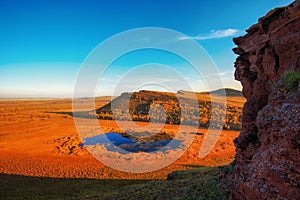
(268, 148)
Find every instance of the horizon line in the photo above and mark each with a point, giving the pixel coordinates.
(72, 97)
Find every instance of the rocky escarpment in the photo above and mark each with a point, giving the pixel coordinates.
(267, 162)
(174, 108)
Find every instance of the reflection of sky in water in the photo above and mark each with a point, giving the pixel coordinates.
(111, 140)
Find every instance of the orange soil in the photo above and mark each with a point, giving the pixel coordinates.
(29, 128)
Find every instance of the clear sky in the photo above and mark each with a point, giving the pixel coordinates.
(43, 43)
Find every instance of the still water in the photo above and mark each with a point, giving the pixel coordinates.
(112, 141)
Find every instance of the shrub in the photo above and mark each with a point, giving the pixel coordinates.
(290, 79)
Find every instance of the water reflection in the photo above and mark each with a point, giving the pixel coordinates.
(113, 140)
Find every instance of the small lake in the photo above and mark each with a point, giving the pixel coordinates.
(112, 140)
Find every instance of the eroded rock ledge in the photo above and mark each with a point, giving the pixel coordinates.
(268, 148)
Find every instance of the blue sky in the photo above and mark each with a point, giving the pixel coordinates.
(43, 43)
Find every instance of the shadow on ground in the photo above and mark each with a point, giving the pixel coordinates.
(83, 114)
(197, 183)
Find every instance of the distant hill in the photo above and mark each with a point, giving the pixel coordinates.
(220, 92)
(228, 91)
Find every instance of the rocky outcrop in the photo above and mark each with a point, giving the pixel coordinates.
(267, 162)
(174, 109)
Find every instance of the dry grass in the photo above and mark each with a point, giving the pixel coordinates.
(29, 129)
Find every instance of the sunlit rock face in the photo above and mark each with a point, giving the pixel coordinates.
(171, 108)
(268, 148)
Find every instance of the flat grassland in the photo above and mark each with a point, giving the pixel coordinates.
(38, 138)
